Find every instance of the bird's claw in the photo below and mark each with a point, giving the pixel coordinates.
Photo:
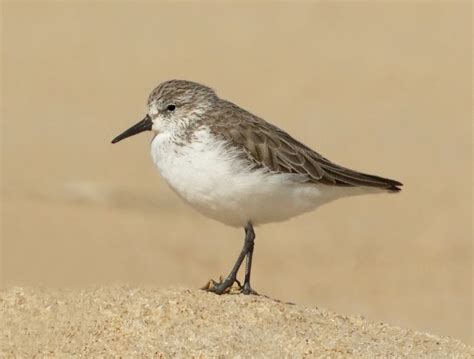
(227, 286)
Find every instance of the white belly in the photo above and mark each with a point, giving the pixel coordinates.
(216, 182)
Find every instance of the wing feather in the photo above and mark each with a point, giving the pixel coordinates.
(269, 147)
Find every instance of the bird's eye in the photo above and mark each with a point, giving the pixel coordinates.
(171, 107)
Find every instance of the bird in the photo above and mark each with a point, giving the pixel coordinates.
(236, 168)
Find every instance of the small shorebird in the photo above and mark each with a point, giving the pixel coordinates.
(237, 168)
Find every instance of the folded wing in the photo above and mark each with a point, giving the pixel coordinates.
(269, 147)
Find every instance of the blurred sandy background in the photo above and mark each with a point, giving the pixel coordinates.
(380, 87)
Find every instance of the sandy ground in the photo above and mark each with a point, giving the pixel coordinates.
(382, 87)
(169, 323)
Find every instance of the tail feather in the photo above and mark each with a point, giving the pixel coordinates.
(347, 177)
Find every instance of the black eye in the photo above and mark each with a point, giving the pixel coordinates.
(171, 107)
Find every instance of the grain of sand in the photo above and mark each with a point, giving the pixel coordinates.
(177, 322)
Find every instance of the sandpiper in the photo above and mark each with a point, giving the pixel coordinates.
(237, 168)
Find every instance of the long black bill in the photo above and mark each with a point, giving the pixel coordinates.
(143, 125)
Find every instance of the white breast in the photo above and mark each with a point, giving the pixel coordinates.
(211, 177)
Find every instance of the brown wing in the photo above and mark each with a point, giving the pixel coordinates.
(269, 147)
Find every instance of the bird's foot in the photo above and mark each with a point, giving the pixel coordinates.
(228, 286)
(223, 286)
(246, 289)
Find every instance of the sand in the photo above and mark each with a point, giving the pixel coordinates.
(177, 322)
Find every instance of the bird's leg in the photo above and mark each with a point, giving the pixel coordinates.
(247, 250)
(249, 241)
(221, 287)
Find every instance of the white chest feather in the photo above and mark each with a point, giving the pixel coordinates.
(210, 175)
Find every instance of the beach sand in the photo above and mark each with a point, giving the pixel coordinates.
(177, 322)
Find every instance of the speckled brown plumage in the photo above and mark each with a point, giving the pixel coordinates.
(269, 147)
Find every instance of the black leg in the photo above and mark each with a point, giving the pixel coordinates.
(249, 238)
(247, 251)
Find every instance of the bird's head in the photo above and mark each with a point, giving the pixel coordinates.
(171, 105)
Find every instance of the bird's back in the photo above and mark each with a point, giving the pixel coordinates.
(267, 146)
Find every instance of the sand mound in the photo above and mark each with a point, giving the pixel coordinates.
(192, 323)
